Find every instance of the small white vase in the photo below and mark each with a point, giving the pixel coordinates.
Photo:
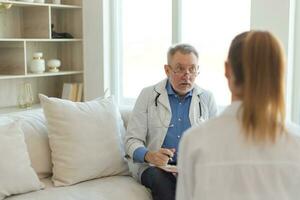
(53, 65)
(56, 1)
(28, 1)
(37, 65)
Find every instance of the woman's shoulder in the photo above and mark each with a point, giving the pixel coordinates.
(216, 132)
(211, 128)
(293, 131)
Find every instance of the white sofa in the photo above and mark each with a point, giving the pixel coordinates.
(107, 188)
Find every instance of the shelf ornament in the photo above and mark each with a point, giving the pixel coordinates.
(5, 6)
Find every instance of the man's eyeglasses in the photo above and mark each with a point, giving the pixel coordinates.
(181, 70)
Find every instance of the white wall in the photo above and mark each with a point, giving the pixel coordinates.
(296, 73)
(96, 73)
(272, 15)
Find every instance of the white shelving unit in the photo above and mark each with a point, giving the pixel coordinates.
(65, 4)
(25, 28)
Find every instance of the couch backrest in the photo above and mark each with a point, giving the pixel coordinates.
(125, 113)
(33, 124)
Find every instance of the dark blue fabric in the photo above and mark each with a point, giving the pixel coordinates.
(161, 183)
(180, 120)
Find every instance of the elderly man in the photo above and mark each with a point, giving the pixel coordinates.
(161, 115)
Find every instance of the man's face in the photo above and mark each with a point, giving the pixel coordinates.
(182, 71)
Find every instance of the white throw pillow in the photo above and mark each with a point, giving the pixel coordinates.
(16, 174)
(85, 139)
(33, 125)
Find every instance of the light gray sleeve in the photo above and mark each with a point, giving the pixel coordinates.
(138, 124)
(212, 106)
(210, 103)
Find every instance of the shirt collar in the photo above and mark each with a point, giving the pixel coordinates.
(171, 91)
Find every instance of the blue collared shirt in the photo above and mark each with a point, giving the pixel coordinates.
(180, 121)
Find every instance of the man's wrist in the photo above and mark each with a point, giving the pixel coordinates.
(139, 154)
(147, 155)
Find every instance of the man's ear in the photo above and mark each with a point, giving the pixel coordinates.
(167, 70)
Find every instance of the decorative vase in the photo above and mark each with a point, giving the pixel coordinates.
(37, 65)
(28, 1)
(53, 65)
(25, 97)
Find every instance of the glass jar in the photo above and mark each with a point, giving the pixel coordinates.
(25, 98)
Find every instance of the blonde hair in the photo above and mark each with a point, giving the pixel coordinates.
(258, 66)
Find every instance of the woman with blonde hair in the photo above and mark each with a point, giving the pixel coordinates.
(246, 152)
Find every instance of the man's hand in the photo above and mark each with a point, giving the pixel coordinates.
(160, 157)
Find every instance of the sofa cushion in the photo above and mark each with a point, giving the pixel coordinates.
(16, 174)
(107, 188)
(33, 125)
(126, 114)
(85, 139)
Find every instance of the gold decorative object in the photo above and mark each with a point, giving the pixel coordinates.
(25, 97)
(5, 6)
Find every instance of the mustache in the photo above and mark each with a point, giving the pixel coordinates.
(184, 82)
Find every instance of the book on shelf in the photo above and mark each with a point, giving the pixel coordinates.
(72, 91)
(79, 92)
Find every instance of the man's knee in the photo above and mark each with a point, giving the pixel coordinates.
(160, 182)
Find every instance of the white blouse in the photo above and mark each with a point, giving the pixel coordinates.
(216, 162)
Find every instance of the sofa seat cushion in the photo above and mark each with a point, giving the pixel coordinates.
(109, 188)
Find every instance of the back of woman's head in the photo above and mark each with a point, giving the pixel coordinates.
(257, 63)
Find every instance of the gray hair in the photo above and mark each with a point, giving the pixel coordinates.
(182, 48)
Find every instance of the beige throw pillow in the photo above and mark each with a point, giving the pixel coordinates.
(16, 174)
(33, 125)
(85, 139)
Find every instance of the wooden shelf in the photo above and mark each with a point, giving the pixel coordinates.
(26, 4)
(31, 75)
(61, 73)
(14, 109)
(63, 6)
(26, 28)
(39, 40)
